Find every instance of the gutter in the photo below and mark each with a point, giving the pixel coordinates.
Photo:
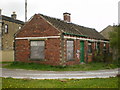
(75, 35)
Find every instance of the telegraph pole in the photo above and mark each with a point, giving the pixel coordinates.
(25, 10)
(119, 13)
(0, 33)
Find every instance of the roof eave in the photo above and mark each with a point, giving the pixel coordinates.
(74, 34)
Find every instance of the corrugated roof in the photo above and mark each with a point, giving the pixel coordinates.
(72, 28)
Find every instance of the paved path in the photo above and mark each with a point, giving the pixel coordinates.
(33, 74)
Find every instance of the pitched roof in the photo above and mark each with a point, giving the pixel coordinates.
(105, 32)
(72, 28)
(12, 20)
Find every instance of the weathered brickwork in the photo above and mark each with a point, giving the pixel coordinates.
(101, 47)
(37, 27)
(107, 47)
(55, 49)
(86, 51)
(41, 29)
(22, 50)
(90, 57)
(52, 54)
(52, 47)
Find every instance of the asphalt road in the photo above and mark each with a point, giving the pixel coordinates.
(34, 74)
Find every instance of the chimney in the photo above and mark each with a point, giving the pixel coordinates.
(13, 15)
(66, 17)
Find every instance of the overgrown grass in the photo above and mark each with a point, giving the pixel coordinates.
(7, 62)
(66, 83)
(80, 67)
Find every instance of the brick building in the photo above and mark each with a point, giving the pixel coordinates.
(47, 40)
(8, 27)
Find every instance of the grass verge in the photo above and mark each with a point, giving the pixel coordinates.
(66, 83)
(80, 67)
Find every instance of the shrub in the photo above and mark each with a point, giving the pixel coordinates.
(103, 57)
(108, 58)
(98, 58)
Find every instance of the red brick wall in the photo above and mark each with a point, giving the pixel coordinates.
(65, 51)
(90, 58)
(101, 47)
(77, 49)
(22, 50)
(86, 51)
(37, 27)
(93, 48)
(107, 47)
(93, 52)
(52, 52)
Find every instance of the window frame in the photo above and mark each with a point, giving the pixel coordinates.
(67, 50)
(37, 59)
(104, 48)
(6, 28)
(89, 47)
(98, 47)
(19, 27)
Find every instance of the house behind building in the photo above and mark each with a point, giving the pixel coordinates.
(8, 27)
(106, 33)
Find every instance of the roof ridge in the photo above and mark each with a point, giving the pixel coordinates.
(53, 17)
(72, 28)
(106, 28)
(65, 21)
(11, 18)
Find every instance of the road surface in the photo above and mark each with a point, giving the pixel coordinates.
(34, 74)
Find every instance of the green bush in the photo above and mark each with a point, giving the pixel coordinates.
(60, 66)
(108, 58)
(103, 57)
(98, 58)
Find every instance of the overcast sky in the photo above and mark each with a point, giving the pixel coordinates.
(96, 14)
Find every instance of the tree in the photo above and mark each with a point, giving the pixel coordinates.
(115, 42)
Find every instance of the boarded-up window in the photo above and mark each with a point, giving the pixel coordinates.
(98, 47)
(70, 50)
(89, 47)
(37, 49)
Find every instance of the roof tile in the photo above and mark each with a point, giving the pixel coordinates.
(72, 28)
